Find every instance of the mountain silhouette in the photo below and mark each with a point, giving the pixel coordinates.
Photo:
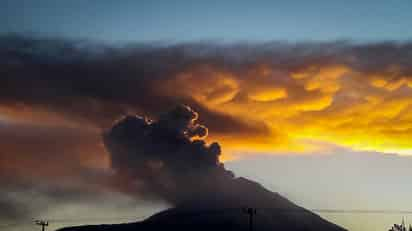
(172, 162)
(224, 212)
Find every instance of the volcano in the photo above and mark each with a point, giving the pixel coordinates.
(271, 212)
(168, 159)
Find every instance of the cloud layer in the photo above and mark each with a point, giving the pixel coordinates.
(59, 96)
(267, 97)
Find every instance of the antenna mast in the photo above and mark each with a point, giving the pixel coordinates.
(42, 223)
(251, 212)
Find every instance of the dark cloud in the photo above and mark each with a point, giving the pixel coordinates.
(52, 152)
(44, 166)
(23, 200)
(381, 57)
(90, 83)
(11, 210)
(167, 157)
(94, 83)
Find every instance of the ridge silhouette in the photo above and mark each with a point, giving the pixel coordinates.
(172, 163)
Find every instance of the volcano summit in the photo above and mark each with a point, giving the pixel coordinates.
(167, 159)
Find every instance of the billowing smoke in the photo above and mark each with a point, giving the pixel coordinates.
(167, 158)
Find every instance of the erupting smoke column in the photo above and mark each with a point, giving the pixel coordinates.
(167, 158)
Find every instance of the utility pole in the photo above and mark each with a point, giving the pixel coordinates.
(251, 212)
(42, 223)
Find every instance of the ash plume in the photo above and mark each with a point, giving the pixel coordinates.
(167, 157)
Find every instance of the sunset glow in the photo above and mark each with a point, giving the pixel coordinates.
(133, 111)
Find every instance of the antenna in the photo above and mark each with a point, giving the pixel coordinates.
(251, 212)
(42, 223)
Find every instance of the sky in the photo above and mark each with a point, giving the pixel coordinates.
(311, 99)
(212, 20)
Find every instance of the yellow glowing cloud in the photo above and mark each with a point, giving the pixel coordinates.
(206, 85)
(268, 94)
(327, 103)
(324, 78)
(301, 108)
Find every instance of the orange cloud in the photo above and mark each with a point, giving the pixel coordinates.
(328, 103)
(262, 98)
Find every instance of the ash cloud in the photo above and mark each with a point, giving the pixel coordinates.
(169, 160)
(168, 157)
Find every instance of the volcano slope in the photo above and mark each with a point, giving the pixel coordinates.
(167, 159)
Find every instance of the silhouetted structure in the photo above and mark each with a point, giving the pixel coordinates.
(42, 223)
(400, 227)
(251, 212)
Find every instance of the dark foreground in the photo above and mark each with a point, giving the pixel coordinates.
(273, 212)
